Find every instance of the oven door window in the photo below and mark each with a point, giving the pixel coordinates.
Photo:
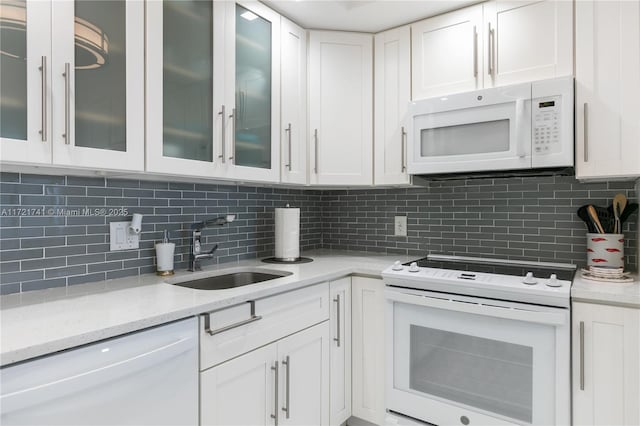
(464, 139)
(497, 366)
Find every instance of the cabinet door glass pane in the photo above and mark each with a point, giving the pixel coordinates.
(253, 90)
(13, 69)
(489, 374)
(100, 74)
(187, 84)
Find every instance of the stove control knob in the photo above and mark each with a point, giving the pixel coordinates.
(553, 281)
(397, 266)
(530, 279)
(413, 267)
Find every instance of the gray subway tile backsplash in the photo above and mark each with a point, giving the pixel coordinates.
(64, 238)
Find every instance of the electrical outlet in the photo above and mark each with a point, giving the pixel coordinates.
(400, 226)
(122, 238)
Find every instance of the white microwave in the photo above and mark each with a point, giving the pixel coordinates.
(523, 126)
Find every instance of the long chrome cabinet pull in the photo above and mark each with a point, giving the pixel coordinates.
(252, 318)
(233, 117)
(288, 130)
(581, 355)
(275, 396)
(287, 399)
(337, 338)
(223, 133)
(475, 52)
(43, 70)
(491, 52)
(585, 139)
(315, 138)
(403, 154)
(67, 103)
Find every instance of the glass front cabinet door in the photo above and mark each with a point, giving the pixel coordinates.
(25, 81)
(213, 89)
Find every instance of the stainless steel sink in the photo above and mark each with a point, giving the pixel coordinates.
(232, 279)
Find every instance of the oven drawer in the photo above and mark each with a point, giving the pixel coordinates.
(236, 330)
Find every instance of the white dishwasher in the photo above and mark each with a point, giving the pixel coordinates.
(145, 378)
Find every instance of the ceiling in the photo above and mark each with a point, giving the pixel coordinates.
(370, 16)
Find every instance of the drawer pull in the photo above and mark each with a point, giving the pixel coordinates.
(253, 318)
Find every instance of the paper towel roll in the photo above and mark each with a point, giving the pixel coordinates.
(287, 233)
(164, 256)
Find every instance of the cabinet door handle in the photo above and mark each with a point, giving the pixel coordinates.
(67, 103)
(288, 130)
(43, 70)
(252, 318)
(490, 50)
(585, 139)
(287, 407)
(403, 153)
(475, 52)
(315, 138)
(233, 117)
(223, 133)
(581, 355)
(275, 393)
(337, 338)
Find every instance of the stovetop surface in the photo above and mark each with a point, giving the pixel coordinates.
(517, 270)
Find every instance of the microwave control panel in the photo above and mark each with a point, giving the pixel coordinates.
(546, 125)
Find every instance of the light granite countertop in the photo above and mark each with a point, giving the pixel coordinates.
(617, 294)
(46, 321)
(41, 322)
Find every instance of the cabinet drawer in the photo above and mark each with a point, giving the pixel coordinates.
(280, 316)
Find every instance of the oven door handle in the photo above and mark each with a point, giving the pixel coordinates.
(550, 318)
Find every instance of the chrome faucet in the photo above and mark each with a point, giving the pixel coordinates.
(195, 253)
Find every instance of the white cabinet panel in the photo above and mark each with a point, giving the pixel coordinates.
(340, 322)
(25, 77)
(293, 123)
(606, 365)
(392, 96)
(445, 53)
(341, 104)
(304, 377)
(368, 349)
(527, 40)
(607, 89)
(241, 391)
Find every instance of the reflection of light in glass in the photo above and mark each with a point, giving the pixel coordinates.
(249, 16)
(93, 42)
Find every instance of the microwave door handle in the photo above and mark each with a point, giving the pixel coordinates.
(549, 318)
(521, 136)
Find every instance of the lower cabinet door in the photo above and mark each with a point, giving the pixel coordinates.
(304, 377)
(241, 391)
(340, 321)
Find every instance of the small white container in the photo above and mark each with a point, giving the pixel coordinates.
(606, 250)
(164, 258)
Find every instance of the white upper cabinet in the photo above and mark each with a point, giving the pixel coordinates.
(293, 87)
(98, 81)
(185, 88)
(527, 40)
(446, 53)
(496, 43)
(25, 78)
(252, 91)
(341, 108)
(607, 89)
(213, 92)
(392, 96)
(73, 84)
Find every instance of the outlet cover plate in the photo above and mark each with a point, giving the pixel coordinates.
(121, 238)
(400, 226)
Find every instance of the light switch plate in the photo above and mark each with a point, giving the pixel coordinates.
(400, 226)
(121, 238)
